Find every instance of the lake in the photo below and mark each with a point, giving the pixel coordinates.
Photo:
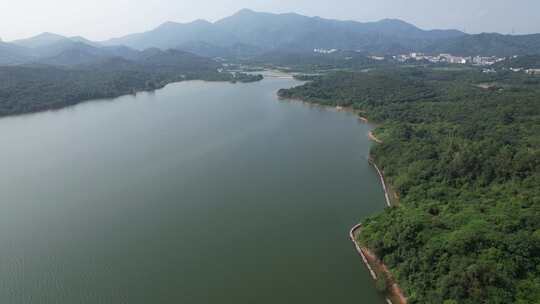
(196, 193)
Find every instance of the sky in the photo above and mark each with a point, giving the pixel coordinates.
(103, 19)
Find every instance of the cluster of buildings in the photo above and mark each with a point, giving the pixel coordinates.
(527, 71)
(325, 51)
(479, 60)
(532, 71)
(486, 62)
(449, 58)
(378, 58)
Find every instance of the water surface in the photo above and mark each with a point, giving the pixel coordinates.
(196, 193)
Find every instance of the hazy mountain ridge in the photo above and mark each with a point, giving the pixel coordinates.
(53, 49)
(12, 54)
(251, 34)
(267, 32)
(41, 40)
(171, 34)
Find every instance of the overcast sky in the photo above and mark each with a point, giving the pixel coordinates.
(102, 19)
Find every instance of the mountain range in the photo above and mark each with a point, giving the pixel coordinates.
(286, 32)
(248, 34)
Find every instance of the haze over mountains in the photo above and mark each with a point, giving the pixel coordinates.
(248, 33)
(291, 32)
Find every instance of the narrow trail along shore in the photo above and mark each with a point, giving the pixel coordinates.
(383, 182)
(391, 196)
(375, 265)
(374, 138)
(370, 260)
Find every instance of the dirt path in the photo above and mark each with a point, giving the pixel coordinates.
(374, 138)
(371, 261)
(381, 176)
(374, 265)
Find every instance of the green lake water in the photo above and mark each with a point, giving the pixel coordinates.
(197, 193)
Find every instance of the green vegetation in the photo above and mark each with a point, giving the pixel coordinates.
(306, 77)
(310, 62)
(382, 283)
(244, 77)
(465, 162)
(32, 88)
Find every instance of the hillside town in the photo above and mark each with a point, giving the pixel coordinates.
(487, 62)
(482, 61)
(449, 58)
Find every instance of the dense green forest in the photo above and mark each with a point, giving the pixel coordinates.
(32, 88)
(462, 150)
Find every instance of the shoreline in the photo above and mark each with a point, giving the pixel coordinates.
(132, 92)
(374, 138)
(394, 293)
(383, 182)
(348, 109)
(391, 196)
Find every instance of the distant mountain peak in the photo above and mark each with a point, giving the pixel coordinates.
(285, 31)
(168, 24)
(48, 36)
(79, 38)
(245, 11)
(172, 24)
(201, 22)
(393, 20)
(40, 40)
(398, 23)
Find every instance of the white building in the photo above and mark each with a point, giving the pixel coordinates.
(533, 71)
(325, 51)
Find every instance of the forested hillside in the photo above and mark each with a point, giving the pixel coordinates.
(462, 149)
(31, 88)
